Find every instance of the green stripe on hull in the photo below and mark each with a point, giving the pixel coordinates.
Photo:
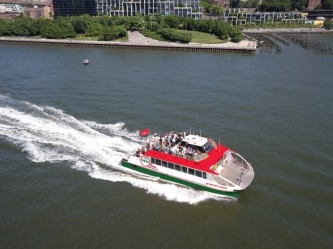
(176, 180)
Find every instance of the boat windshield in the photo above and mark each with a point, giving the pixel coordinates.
(234, 158)
(207, 147)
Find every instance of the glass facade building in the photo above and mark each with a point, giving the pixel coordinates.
(183, 8)
(74, 7)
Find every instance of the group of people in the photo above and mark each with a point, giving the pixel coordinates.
(171, 143)
(166, 142)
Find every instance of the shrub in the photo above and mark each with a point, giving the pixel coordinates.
(175, 35)
(113, 33)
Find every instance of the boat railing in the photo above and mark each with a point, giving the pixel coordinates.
(212, 142)
(223, 182)
(239, 164)
(236, 160)
(200, 157)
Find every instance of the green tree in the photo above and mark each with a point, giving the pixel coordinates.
(6, 27)
(327, 4)
(216, 10)
(189, 23)
(113, 33)
(298, 5)
(328, 24)
(94, 29)
(24, 26)
(137, 23)
(104, 20)
(59, 29)
(248, 4)
(51, 31)
(66, 27)
(81, 23)
(173, 21)
(205, 26)
(235, 34)
(221, 30)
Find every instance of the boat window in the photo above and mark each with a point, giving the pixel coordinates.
(198, 173)
(177, 167)
(164, 163)
(171, 165)
(204, 175)
(184, 169)
(191, 171)
(158, 162)
(153, 161)
(207, 147)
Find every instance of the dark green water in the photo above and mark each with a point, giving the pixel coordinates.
(64, 128)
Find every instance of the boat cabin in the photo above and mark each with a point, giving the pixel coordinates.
(197, 154)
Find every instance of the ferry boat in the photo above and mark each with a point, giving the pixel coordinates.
(191, 160)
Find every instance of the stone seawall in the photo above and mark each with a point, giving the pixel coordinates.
(291, 31)
(241, 47)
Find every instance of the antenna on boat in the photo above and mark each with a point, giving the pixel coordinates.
(200, 133)
(219, 144)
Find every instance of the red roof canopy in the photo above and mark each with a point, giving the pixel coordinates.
(204, 165)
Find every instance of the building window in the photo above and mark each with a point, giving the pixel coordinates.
(171, 166)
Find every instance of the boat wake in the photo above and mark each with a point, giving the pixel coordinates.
(47, 134)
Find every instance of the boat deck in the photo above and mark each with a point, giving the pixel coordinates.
(238, 175)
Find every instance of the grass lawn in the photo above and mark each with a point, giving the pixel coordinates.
(205, 38)
(198, 37)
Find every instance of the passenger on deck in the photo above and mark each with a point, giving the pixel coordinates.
(180, 150)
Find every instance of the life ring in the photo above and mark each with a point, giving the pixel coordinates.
(145, 161)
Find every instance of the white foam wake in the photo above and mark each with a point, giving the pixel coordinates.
(48, 134)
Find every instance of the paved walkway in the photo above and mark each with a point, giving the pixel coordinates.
(138, 38)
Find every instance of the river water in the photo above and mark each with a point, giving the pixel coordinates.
(64, 128)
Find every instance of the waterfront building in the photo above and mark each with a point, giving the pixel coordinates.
(15, 8)
(37, 12)
(242, 16)
(10, 11)
(74, 7)
(183, 8)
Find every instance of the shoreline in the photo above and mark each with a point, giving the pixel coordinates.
(290, 31)
(245, 46)
(137, 41)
